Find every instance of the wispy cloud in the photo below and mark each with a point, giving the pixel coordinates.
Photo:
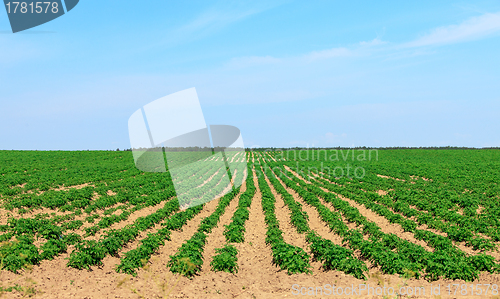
(373, 42)
(329, 53)
(471, 29)
(314, 56)
(214, 20)
(219, 17)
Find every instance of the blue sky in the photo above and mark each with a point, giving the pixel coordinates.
(287, 73)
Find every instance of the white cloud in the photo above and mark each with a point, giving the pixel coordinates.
(471, 29)
(249, 61)
(220, 16)
(214, 20)
(211, 21)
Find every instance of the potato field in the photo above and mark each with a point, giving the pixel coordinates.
(322, 223)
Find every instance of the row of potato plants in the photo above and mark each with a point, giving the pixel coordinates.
(288, 257)
(459, 232)
(138, 257)
(332, 256)
(447, 262)
(147, 201)
(188, 259)
(441, 204)
(386, 207)
(21, 235)
(226, 257)
(234, 232)
(199, 192)
(461, 188)
(90, 252)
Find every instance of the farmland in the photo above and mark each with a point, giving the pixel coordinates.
(90, 224)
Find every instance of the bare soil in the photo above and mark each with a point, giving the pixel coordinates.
(257, 276)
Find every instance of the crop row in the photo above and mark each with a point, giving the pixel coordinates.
(189, 257)
(332, 256)
(407, 258)
(138, 257)
(457, 227)
(288, 257)
(226, 256)
(89, 252)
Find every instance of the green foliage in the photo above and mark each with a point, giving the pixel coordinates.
(136, 258)
(189, 258)
(234, 232)
(286, 256)
(336, 257)
(452, 192)
(225, 259)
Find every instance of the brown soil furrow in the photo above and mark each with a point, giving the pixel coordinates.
(156, 270)
(216, 238)
(320, 227)
(290, 234)
(5, 215)
(193, 223)
(130, 220)
(254, 255)
(233, 176)
(459, 245)
(331, 182)
(315, 222)
(257, 276)
(388, 177)
(236, 156)
(382, 222)
(272, 158)
(350, 225)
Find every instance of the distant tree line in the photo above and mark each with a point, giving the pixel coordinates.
(378, 148)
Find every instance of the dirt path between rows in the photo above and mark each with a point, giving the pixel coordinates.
(149, 280)
(290, 234)
(315, 222)
(216, 238)
(130, 220)
(460, 245)
(257, 276)
(380, 221)
(55, 280)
